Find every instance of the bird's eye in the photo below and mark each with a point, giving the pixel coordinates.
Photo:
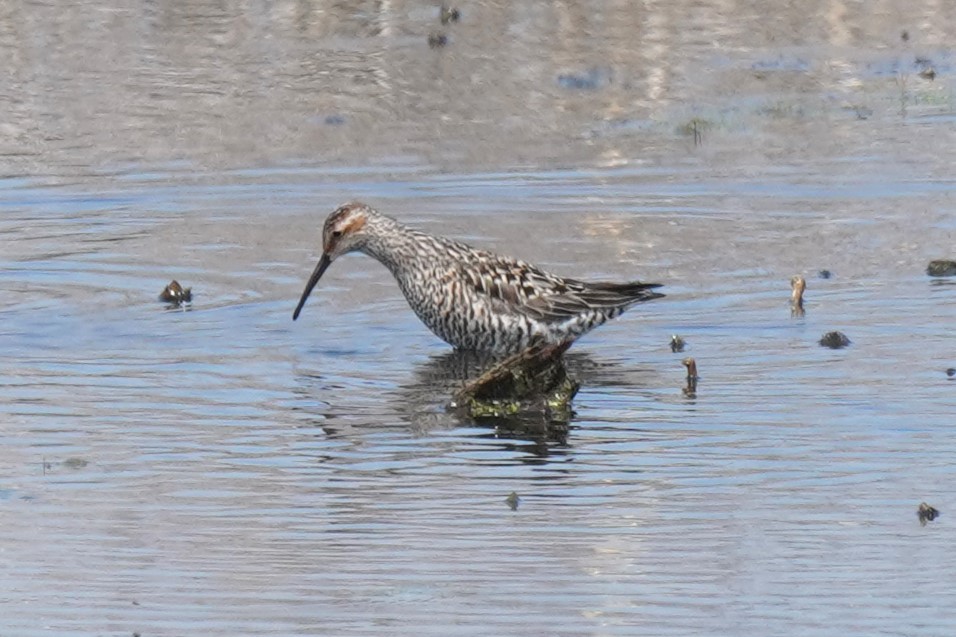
(336, 233)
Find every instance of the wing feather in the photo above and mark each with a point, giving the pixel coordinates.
(521, 288)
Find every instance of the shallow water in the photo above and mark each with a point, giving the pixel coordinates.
(222, 470)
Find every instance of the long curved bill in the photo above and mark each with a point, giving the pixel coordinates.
(313, 280)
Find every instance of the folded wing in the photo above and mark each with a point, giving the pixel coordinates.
(516, 286)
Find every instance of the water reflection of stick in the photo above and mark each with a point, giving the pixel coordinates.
(797, 285)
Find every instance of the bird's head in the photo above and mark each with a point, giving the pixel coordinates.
(344, 231)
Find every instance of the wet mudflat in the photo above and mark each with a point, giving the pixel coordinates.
(215, 468)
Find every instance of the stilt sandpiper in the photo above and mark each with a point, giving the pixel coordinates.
(473, 299)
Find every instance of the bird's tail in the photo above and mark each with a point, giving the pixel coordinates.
(628, 293)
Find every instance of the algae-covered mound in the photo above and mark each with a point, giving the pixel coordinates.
(534, 380)
(941, 267)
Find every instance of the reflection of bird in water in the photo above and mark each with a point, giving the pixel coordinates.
(344, 406)
(426, 398)
(426, 403)
(442, 375)
(473, 299)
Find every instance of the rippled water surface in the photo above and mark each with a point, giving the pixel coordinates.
(221, 470)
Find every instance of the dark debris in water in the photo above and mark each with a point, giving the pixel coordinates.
(925, 68)
(695, 128)
(926, 513)
(781, 63)
(449, 14)
(513, 500)
(835, 340)
(593, 79)
(175, 294)
(75, 463)
(437, 40)
(677, 344)
(951, 372)
(941, 267)
(928, 73)
(824, 274)
(690, 390)
(691, 366)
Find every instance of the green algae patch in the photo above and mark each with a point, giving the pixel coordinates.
(534, 381)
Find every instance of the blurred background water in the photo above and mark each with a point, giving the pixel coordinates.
(222, 470)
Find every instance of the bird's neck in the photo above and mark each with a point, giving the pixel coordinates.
(392, 244)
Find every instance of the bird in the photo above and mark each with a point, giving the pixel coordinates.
(473, 299)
